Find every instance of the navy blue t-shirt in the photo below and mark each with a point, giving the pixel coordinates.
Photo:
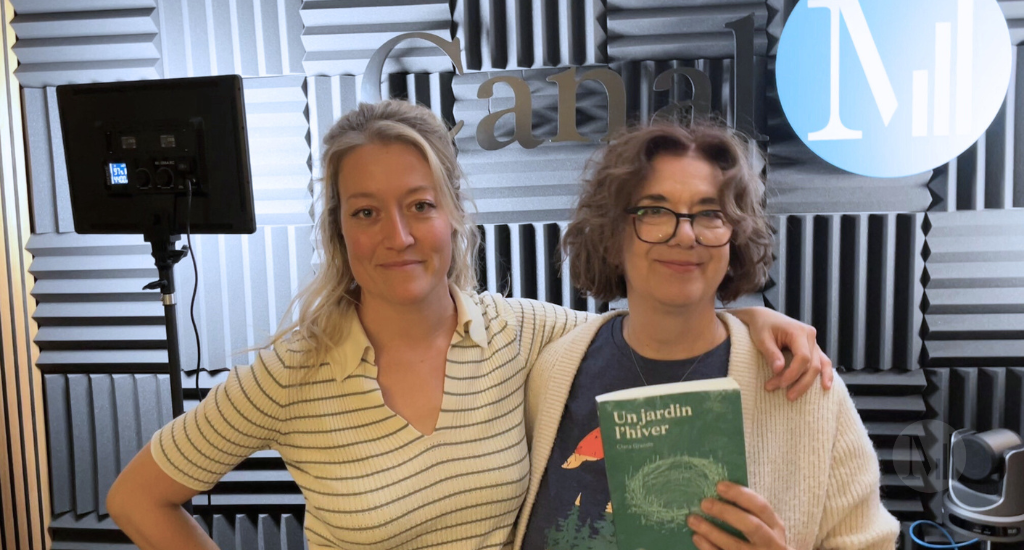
(573, 508)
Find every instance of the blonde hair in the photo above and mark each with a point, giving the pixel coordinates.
(324, 303)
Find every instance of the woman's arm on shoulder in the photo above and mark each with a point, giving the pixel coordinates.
(772, 331)
(541, 323)
(854, 517)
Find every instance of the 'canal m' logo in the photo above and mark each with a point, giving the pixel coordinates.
(885, 88)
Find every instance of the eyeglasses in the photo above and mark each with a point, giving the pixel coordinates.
(657, 224)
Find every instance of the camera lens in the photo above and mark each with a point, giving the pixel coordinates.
(983, 452)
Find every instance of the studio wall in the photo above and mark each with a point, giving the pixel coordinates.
(915, 284)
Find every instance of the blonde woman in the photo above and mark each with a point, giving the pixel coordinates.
(672, 218)
(396, 399)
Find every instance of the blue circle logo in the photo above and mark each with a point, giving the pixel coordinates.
(889, 88)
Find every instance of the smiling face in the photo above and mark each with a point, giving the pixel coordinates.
(680, 272)
(399, 241)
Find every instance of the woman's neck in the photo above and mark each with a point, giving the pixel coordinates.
(385, 322)
(669, 333)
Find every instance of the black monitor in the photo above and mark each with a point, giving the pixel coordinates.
(134, 149)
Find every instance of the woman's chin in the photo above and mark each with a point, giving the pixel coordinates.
(411, 295)
(684, 300)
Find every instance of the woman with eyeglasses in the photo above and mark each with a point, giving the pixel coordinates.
(671, 218)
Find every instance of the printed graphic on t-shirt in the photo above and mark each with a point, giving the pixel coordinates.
(574, 532)
(588, 449)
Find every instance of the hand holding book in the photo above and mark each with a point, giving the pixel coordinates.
(745, 511)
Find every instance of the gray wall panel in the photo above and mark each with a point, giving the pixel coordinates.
(41, 165)
(263, 531)
(99, 40)
(778, 11)
(51, 6)
(530, 34)
(245, 37)
(856, 278)
(51, 206)
(340, 36)
(1013, 10)
(524, 260)
(277, 531)
(59, 444)
(92, 311)
(94, 430)
(223, 532)
(893, 408)
(245, 284)
(108, 463)
(279, 149)
(683, 29)
(70, 531)
(154, 391)
(800, 182)
(974, 295)
(988, 174)
(129, 429)
(87, 41)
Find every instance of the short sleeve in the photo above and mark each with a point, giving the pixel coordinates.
(237, 418)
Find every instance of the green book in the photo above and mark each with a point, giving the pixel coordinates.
(665, 449)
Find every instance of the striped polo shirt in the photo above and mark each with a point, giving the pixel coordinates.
(371, 480)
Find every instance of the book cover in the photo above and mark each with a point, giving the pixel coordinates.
(665, 449)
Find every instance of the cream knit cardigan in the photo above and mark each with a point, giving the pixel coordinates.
(812, 459)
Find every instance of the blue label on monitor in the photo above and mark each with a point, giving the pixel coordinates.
(118, 173)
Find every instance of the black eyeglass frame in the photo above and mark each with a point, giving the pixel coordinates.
(636, 210)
